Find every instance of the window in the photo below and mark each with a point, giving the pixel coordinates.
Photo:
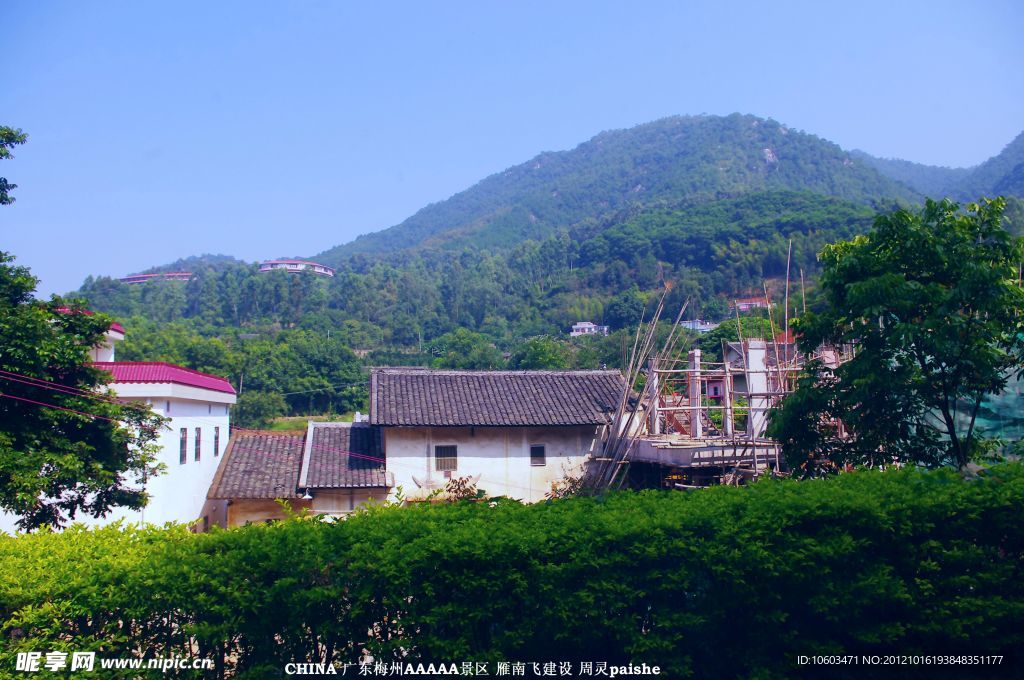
(209, 409)
(199, 441)
(167, 407)
(537, 455)
(183, 451)
(216, 441)
(446, 458)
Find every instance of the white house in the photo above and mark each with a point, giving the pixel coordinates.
(514, 433)
(587, 328)
(190, 444)
(297, 266)
(698, 325)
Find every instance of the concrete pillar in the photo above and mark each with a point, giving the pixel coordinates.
(757, 387)
(653, 419)
(695, 395)
(727, 424)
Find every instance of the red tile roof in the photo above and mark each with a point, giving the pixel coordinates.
(159, 372)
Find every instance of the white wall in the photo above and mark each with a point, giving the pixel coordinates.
(501, 456)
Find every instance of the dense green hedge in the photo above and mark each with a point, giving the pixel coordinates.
(729, 582)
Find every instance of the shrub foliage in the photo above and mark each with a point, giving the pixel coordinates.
(729, 582)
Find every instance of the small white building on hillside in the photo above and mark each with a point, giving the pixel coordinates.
(512, 433)
(587, 328)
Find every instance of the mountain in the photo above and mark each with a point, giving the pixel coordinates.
(668, 163)
(930, 180)
(1001, 175)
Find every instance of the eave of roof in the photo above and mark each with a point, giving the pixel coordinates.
(161, 372)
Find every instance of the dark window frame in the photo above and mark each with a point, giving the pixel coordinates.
(446, 457)
(538, 460)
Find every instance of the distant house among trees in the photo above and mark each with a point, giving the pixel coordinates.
(162, 276)
(297, 267)
(698, 325)
(746, 304)
(587, 328)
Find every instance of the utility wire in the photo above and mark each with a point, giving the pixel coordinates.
(321, 389)
(71, 410)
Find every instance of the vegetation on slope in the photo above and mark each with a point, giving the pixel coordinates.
(1001, 175)
(683, 159)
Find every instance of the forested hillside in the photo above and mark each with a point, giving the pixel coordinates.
(709, 252)
(282, 333)
(666, 163)
(930, 180)
(496, 276)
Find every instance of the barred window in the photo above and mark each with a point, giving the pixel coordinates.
(216, 441)
(199, 441)
(537, 455)
(446, 458)
(183, 450)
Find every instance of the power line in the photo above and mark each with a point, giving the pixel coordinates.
(321, 389)
(66, 389)
(71, 410)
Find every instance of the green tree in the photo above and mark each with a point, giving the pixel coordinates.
(465, 349)
(66, 445)
(931, 303)
(9, 138)
(256, 409)
(625, 309)
(542, 352)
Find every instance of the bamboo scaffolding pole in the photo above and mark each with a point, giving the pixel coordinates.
(803, 292)
(775, 342)
(604, 474)
(789, 260)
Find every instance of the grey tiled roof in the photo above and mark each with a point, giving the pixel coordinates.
(268, 466)
(259, 465)
(343, 455)
(416, 396)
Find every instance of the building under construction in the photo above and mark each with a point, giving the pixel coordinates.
(705, 421)
(696, 422)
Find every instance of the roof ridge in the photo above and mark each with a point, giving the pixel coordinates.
(485, 371)
(158, 363)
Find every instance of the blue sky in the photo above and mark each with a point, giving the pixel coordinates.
(265, 129)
